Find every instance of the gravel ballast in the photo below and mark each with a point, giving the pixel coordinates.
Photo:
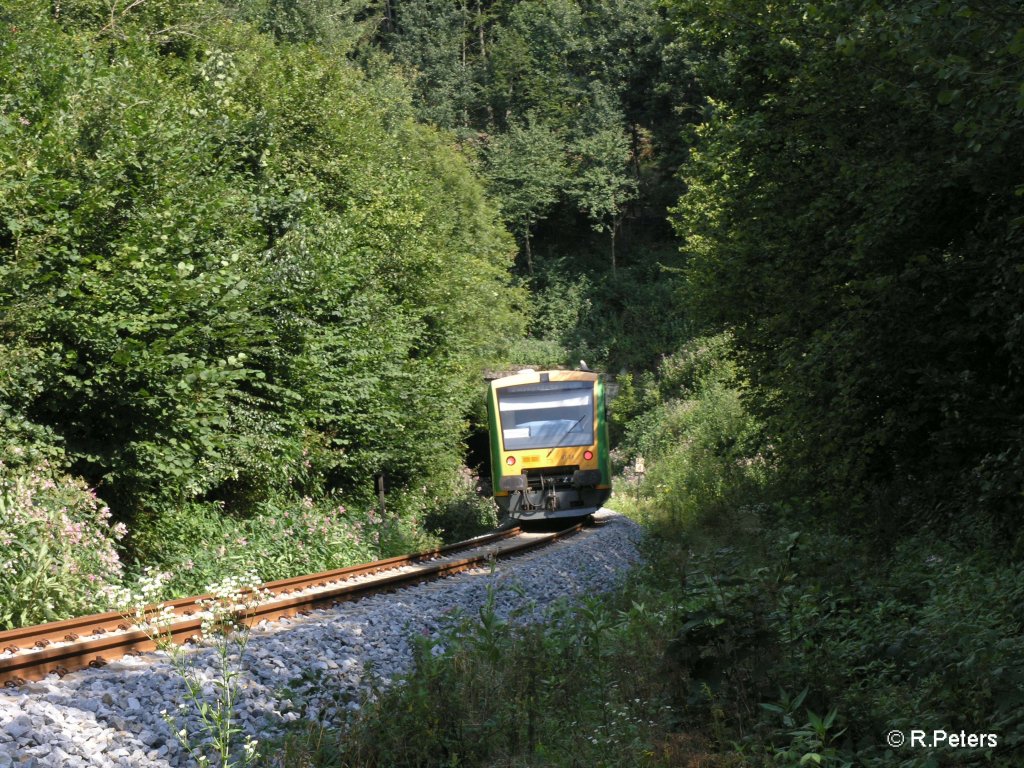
(310, 667)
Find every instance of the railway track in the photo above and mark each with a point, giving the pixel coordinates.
(31, 653)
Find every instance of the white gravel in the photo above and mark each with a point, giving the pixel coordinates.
(311, 667)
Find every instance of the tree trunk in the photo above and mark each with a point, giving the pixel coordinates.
(465, 13)
(529, 254)
(480, 29)
(635, 154)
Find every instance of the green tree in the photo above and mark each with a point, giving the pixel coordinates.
(533, 63)
(595, 74)
(851, 213)
(435, 40)
(603, 183)
(232, 268)
(526, 170)
(337, 24)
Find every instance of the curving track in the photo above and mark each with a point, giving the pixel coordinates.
(31, 653)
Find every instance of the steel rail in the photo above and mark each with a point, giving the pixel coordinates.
(31, 653)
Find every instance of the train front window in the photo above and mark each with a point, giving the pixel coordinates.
(549, 415)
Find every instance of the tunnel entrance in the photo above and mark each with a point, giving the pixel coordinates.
(478, 458)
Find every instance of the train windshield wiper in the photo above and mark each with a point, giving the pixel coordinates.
(566, 434)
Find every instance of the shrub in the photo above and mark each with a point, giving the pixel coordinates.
(260, 279)
(57, 546)
(289, 535)
(689, 422)
(465, 514)
(201, 545)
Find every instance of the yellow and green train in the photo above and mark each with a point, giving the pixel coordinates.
(549, 444)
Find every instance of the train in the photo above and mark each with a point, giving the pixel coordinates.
(549, 444)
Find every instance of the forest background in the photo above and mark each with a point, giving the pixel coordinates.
(254, 254)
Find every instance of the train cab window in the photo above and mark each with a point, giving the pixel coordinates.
(551, 415)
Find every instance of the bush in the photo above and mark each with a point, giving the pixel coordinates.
(795, 642)
(57, 546)
(688, 421)
(232, 269)
(848, 214)
(465, 514)
(201, 545)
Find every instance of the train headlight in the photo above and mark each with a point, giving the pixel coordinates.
(510, 460)
(588, 455)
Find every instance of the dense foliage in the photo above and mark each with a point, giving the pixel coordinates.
(58, 549)
(687, 422)
(233, 271)
(231, 266)
(572, 112)
(253, 253)
(853, 214)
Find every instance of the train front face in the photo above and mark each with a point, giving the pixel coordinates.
(549, 444)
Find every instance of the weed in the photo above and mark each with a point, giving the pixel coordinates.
(225, 628)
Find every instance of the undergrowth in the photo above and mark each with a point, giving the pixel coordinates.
(61, 549)
(58, 545)
(286, 536)
(781, 648)
(753, 634)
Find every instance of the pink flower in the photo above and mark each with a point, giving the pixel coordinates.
(72, 532)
